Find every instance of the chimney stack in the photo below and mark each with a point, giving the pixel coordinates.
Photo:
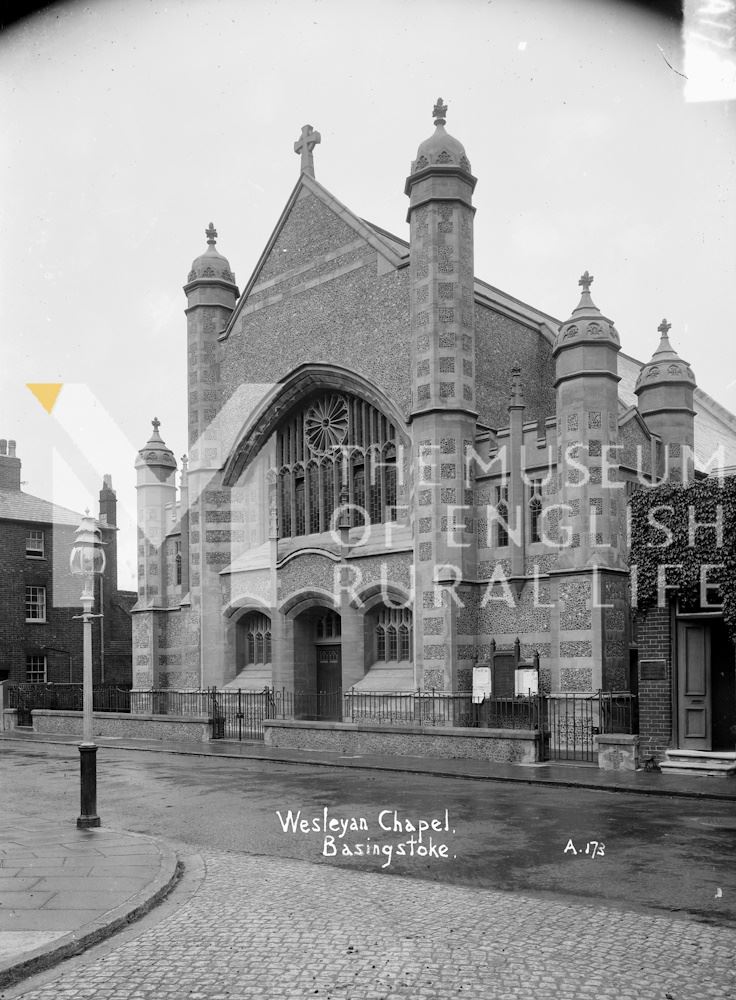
(9, 466)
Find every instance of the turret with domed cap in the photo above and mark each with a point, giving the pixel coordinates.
(665, 389)
(156, 487)
(441, 287)
(586, 379)
(211, 265)
(441, 149)
(211, 297)
(155, 454)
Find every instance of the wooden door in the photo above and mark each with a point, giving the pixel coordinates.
(693, 687)
(329, 668)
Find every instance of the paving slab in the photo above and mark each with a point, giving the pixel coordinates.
(63, 889)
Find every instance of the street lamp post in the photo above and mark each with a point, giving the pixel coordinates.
(87, 560)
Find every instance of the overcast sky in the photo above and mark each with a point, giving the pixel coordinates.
(128, 126)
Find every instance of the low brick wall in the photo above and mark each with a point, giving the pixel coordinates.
(183, 729)
(508, 746)
(618, 752)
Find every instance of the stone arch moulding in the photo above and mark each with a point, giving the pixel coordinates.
(303, 600)
(236, 609)
(377, 594)
(288, 394)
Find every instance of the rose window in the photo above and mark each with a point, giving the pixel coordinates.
(326, 424)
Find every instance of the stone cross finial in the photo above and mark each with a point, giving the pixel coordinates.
(211, 234)
(439, 112)
(156, 424)
(586, 280)
(304, 146)
(664, 327)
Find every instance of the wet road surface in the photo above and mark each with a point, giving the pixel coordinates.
(644, 853)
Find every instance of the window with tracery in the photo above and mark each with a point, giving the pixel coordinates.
(334, 439)
(329, 626)
(535, 510)
(393, 634)
(257, 628)
(502, 514)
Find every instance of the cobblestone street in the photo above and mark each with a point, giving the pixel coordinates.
(257, 927)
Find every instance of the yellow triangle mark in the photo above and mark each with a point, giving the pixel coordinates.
(46, 393)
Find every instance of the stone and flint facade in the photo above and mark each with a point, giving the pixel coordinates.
(394, 467)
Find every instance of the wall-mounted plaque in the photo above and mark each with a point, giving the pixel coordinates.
(652, 670)
(481, 684)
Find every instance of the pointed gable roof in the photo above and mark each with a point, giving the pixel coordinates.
(388, 247)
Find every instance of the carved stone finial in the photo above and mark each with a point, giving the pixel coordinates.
(664, 327)
(211, 234)
(304, 146)
(586, 280)
(156, 424)
(517, 390)
(439, 112)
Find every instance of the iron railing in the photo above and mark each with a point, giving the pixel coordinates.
(574, 720)
(567, 723)
(64, 697)
(440, 708)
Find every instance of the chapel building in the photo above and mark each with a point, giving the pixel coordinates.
(395, 470)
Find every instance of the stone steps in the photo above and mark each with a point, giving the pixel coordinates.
(710, 763)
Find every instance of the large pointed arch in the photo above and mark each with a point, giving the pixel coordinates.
(290, 393)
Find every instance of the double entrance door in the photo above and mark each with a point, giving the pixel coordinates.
(706, 686)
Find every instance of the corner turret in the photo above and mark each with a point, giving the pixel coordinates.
(665, 389)
(586, 379)
(441, 283)
(156, 485)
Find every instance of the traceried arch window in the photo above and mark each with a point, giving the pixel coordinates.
(257, 628)
(393, 634)
(312, 446)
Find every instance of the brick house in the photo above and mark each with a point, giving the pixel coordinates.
(687, 660)
(394, 467)
(39, 640)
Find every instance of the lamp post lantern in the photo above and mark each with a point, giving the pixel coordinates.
(87, 560)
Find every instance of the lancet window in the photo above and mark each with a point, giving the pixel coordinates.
(393, 633)
(502, 514)
(535, 510)
(335, 440)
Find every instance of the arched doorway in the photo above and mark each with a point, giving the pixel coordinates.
(318, 664)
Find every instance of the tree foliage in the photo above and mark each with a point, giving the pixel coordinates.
(690, 530)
